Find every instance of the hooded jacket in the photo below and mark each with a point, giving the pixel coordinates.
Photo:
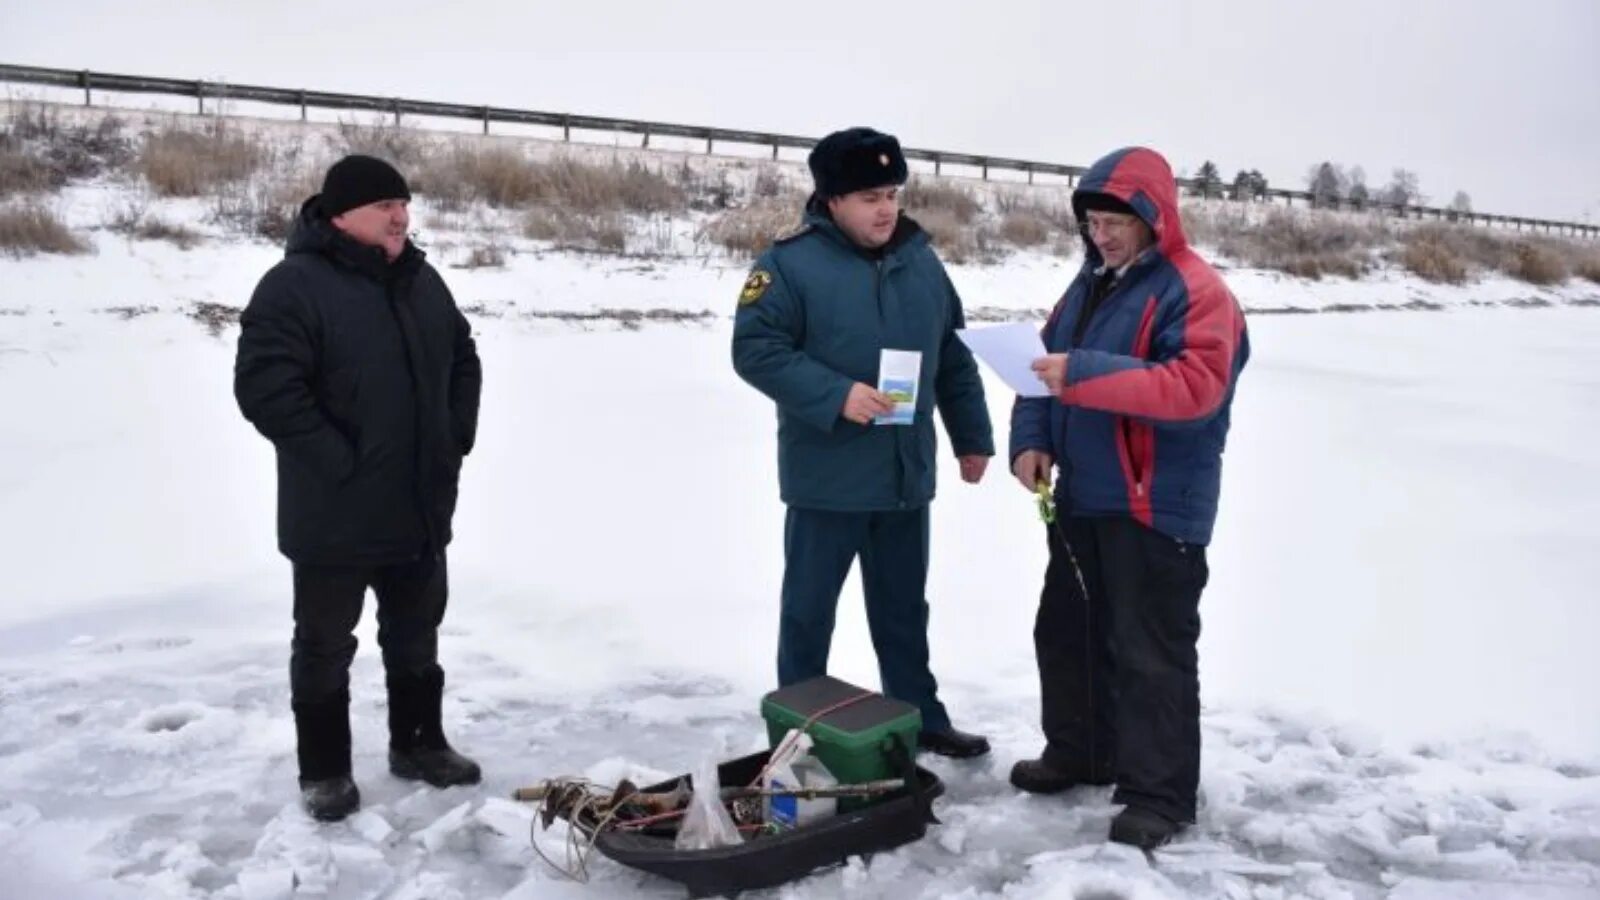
(1140, 426)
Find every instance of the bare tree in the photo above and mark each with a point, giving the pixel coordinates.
(1403, 189)
(1461, 203)
(1359, 194)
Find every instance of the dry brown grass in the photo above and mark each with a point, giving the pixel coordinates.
(486, 256)
(156, 229)
(1586, 262)
(750, 229)
(135, 221)
(1539, 262)
(924, 198)
(1025, 228)
(769, 182)
(1207, 224)
(463, 175)
(1478, 247)
(504, 178)
(21, 172)
(216, 317)
(179, 162)
(570, 229)
(41, 150)
(266, 207)
(1302, 243)
(957, 242)
(608, 187)
(30, 228)
(1450, 254)
(1048, 204)
(1438, 252)
(1433, 259)
(403, 147)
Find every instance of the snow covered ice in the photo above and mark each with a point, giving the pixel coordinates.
(1397, 660)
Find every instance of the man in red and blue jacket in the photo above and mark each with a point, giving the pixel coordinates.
(1144, 351)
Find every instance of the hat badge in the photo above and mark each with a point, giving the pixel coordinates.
(883, 159)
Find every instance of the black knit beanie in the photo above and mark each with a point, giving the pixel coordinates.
(1084, 201)
(358, 180)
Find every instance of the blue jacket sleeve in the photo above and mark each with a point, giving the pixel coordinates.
(958, 389)
(1030, 426)
(768, 337)
(1030, 416)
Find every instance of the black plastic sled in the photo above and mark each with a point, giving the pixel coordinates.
(769, 860)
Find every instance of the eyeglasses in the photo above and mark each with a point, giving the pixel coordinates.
(1104, 222)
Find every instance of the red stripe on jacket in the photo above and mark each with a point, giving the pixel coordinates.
(1191, 385)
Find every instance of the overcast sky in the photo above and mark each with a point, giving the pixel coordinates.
(1499, 99)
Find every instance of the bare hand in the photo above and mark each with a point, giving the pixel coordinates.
(865, 404)
(1032, 467)
(1052, 370)
(972, 468)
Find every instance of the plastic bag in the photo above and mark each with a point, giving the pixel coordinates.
(706, 824)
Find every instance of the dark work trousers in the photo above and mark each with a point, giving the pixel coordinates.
(1118, 668)
(327, 606)
(819, 548)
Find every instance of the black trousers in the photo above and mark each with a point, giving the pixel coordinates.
(327, 606)
(819, 547)
(1118, 664)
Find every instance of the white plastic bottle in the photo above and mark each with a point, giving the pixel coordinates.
(784, 812)
(796, 768)
(813, 774)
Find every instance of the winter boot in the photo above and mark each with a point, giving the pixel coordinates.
(1143, 828)
(1037, 776)
(330, 799)
(418, 750)
(952, 743)
(322, 732)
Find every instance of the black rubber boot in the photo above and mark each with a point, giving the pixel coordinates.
(330, 799)
(953, 743)
(442, 767)
(322, 732)
(418, 750)
(1039, 777)
(1143, 828)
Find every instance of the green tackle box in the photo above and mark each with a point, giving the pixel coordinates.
(855, 741)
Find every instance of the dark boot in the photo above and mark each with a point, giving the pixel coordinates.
(953, 743)
(330, 799)
(418, 750)
(322, 732)
(442, 767)
(1143, 828)
(1036, 776)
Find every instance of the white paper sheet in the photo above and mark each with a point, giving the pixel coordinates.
(1010, 351)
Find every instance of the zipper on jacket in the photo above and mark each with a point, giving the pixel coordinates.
(899, 464)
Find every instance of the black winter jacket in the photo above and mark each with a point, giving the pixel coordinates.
(364, 375)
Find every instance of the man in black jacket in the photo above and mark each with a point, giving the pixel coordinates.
(355, 362)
